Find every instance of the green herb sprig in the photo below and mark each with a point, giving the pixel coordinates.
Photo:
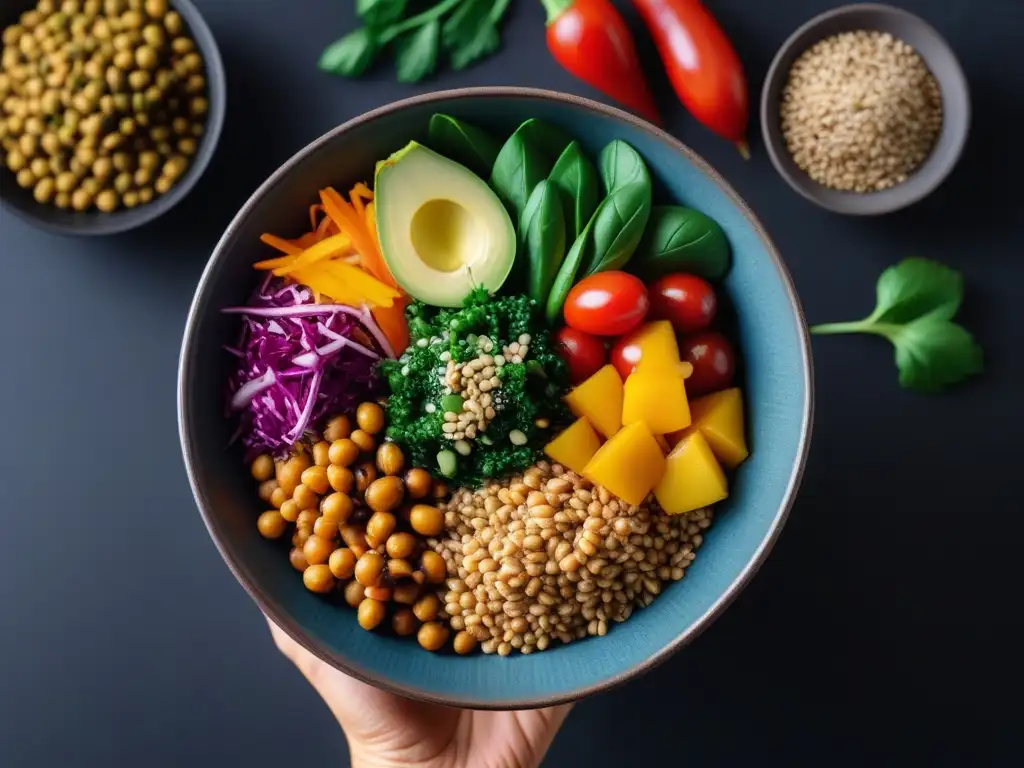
(917, 301)
(465, 31)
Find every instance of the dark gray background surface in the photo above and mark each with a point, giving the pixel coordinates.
(881, 631)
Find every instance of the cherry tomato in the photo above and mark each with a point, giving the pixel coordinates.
(584, 354)
(607, 304)
(687, 301)
(713, 360)
(626, 354)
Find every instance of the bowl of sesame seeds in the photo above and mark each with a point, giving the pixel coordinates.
(865, 109)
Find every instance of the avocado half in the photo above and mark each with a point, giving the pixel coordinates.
(443, 232)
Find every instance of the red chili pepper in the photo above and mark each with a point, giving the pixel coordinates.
(702, 65)
(590, 39)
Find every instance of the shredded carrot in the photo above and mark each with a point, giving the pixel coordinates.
(338, 245)
(314, 212)
(280, 244)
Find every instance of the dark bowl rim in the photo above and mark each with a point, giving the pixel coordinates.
(128, 220)
(772, 134)
(281, 617)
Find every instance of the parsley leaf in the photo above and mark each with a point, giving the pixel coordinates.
(416, 52)
(917, 300)
(352, 55)
(471, 32)
(380, 13)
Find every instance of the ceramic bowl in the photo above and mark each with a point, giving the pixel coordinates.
(937, 56)
(20, 201)
(772, 337)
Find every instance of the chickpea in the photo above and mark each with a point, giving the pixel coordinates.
(417, 483)
(400, 569)
(149, 160)
(326, 528)
(401, 545)
(384, 495)
(157, 9)
(370, 613)
(464, 643)
(146, 195)
(306, 518)
(379, 527)
(406, 593)
(26, 180)
(337, 428)
(354, 594)
(341, 479)
(404, 623)
(338, 507)
(370, 418)
(106, 200)
(363, 440)
(320, 454)
(271, 524)
(66, 181)
(318, 578)
(44, 190)
(390, 460)
(290, 511)
(426, 520)
(354, 537)
(305, 497)
(365, 475)
(378, 593)
(427, 607)
(262, 468)
(316, 478)
(343, 452)
(434, 567)
(369, 568)
(62, 200)
(317, 549)
(440, 490)
(278, 497)
(298, 560)
(266, 488)
(289, 472)
(342, 563)
(130, 198)
(432, 636)
(155, 37)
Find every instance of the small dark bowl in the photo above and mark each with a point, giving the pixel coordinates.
(20, 201)
(937, 56)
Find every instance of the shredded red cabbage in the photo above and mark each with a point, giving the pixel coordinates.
(298, 362)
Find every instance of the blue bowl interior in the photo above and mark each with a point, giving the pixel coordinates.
(772, 341)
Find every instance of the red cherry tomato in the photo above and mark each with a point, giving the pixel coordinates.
(713, 360)
(584, 354)
(607, 304)
(626, 354)
(687, 301)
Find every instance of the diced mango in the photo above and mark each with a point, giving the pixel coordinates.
(656, 395)
(599, 400)
(719, 417)
(693, 479)
(629, 465)
(653, 343)
(575, 446)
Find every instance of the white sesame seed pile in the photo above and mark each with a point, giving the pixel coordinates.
(860, 111)
(547, 556)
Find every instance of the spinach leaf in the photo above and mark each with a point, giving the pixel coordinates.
(575, 178)
(917, 300)
(464, 143)
(380, 13)
(682, 240)
(548, 138)
(607, 242)
(519, 168)
(416, 52)
(542, 231)
(622, 165)
(352, 55)
(618, 227)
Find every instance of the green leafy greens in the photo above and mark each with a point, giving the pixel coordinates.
(465, 30)
(917, 301)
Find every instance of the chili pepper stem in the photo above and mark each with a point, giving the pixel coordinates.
(556, 8)
(744, 149)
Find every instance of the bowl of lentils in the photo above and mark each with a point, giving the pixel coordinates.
(865, 109)
(110, 110)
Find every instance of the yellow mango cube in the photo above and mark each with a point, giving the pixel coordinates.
(599, 401)
(575, 446)
(656, 395)
(719, 417)
(629, 464)
(651, 343)
(693, 478)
